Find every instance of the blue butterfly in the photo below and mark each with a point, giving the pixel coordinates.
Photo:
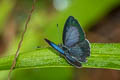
(75, 47)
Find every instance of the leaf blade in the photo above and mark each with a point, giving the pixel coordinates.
(102, 56)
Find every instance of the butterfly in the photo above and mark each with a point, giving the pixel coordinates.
(75, 47)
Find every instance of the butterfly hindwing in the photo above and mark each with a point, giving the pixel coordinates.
(80, 51)
(72, 32)
(73, 61)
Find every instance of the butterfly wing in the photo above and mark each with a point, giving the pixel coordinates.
(74, 39)
(80, 51)
(56, 47)
(73, 61)
(72, 33)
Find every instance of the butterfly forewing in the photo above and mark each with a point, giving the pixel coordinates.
(72, 32)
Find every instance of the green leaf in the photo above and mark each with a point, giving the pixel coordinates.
(102, 56)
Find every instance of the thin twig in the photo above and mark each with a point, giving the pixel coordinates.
(20, 43)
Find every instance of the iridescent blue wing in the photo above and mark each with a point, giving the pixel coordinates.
(72, 33)
(56, 47)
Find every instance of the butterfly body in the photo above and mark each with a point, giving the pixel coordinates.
(75, 47)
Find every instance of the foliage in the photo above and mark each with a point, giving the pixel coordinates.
(102, 56)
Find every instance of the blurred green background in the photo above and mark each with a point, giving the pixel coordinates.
(95, 16)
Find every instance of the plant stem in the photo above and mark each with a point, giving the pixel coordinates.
(20, 43)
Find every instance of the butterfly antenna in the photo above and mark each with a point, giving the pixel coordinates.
(58, 31)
